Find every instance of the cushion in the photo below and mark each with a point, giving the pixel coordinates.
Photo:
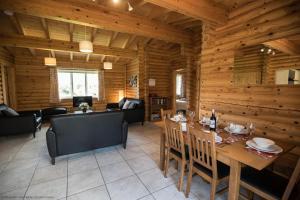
(223, 170)
(126, 105)
(265, 181)
(132, 105)
(121, 103)
(9, 112)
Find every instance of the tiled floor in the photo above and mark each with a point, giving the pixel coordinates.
(108, 173)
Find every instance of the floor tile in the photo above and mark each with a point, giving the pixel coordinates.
(51, 172)
(81, 164)
(154, 180)
(98, 193)
(171, 193)
(115, 171)
(83, 181)
(150, 148)
(131, 152)
(148, 197)
(17, 194)
(108, 157)
(14, 179)
(55, 189)
(141, 163)
(22, 164)
(129, 188)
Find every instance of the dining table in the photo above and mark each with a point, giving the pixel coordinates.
(235, 154)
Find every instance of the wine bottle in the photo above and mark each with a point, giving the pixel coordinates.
(213, 121)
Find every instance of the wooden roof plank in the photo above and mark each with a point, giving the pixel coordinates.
(98, 16)
(59, 45)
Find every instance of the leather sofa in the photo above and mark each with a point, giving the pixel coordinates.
(75, 133)
(47, 113)
(12, 122)
(134, 113)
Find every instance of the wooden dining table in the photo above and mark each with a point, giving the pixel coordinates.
(234, 155)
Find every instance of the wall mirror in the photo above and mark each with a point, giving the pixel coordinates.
(274, 63)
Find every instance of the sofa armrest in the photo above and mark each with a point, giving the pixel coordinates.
(51, 144)
(112, 105)
(37, 113)
(124, 133)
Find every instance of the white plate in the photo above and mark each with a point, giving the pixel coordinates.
(272, 149)
(204, 123)
(242, 132)
(218, 139)
(174, 120)
(183, 127)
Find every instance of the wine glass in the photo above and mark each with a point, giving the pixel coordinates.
(192, 117)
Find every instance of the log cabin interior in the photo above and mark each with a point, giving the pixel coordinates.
(121, 99)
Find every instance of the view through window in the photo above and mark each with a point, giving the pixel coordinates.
(77, 83)
(179, 85)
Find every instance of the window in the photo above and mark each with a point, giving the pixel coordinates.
(77, 83)
(179, 85)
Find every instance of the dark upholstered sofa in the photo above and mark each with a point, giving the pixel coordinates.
(12, 122)
(135, 112)
(47, 113)
(82, 132)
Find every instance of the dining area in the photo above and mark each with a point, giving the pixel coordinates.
(229, 152)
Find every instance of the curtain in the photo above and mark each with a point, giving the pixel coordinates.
(54, 96)
(101, 85)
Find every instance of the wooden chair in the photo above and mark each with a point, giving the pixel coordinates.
(268, 184)
(175, 148)
(166, 113)
(202, 152)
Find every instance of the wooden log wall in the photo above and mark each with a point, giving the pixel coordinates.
(33, 82)
(275, 110)
(132, 69)
(6, 61)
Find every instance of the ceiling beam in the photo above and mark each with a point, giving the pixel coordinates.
(87, 57)
(113, 36)
(45, 27)
(103, 58)
(59, 45)
(98, 16)
(285, 46)
(129, 41)
(71, 56)
(206, 10)
(15, 21)
(71, 30)
(94, 32)
(52, 53)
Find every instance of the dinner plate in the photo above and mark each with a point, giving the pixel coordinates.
(271, 149)
(174, 120)
(204, 123)
(242, 132)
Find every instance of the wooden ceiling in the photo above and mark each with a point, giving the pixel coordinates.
(162, 27)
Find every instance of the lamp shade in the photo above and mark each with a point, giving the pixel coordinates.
(50, 61)
(86, 46)
(107, 65)
(152, 82)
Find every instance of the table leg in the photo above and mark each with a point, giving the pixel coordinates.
(162, 151)
(234, 180)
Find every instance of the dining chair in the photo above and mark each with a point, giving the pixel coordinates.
(175, 148)
(167, 113)
(269, 185)
(203, 162)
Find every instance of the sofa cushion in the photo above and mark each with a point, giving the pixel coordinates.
(132, 105)
(126, 105)
(9, 112)
(121, 103)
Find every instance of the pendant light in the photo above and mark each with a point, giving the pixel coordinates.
(130, 8)
(50, 61)
(85, 45)
(107, 65)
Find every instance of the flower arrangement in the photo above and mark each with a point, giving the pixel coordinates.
(84, 106)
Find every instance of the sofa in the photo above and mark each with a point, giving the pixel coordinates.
(12, 122)
(133, 109)
(75, 133)
(47, 113)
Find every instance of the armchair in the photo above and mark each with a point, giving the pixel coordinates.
(12, 122)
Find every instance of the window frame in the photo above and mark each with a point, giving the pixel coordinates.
(71, 72)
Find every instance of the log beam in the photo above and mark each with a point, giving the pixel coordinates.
(205, 10)
(285, 46)
(59, 45)
(98, 16)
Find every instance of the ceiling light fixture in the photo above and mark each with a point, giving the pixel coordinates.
(130, 8)
(116, 1)
(107, 65)
(50, 61)
(85, 45)
(8, 12)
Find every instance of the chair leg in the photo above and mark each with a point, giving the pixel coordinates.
(189, 181)
(180, 181)
(213, 189)
(176, 164)
(167, 160)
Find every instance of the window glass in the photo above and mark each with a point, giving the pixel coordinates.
(64, 85)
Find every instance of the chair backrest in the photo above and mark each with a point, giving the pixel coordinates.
(174, 136)
(292, 182)
(166, 113)
(203, 149)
